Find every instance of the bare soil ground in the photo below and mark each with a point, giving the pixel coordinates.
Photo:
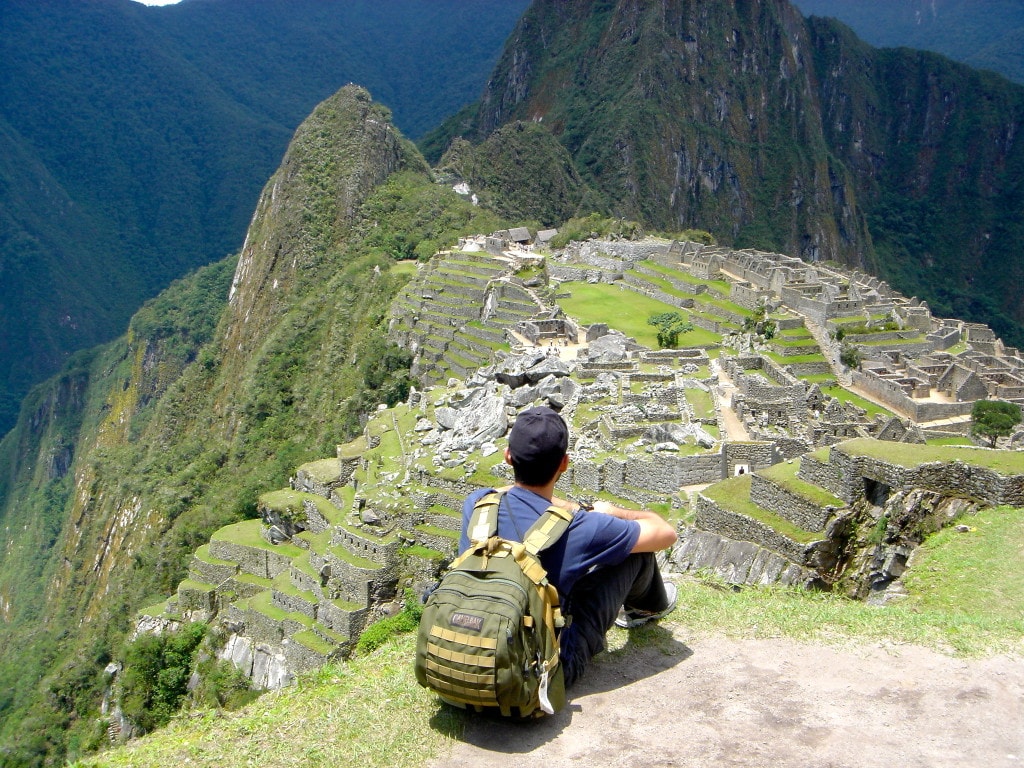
(691, 700)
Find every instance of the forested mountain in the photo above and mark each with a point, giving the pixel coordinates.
(136, 139)
(987, 34)
(126, 462)
(781, 133)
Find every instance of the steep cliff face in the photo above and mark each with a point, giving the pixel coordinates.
(769, 130)
(935, 151)
(685, 114)
(119, 468)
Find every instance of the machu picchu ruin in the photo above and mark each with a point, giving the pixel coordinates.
(779, 462)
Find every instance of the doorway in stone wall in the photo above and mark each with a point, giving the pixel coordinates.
(876, 492)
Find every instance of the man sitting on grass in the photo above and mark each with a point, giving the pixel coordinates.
(603, 566)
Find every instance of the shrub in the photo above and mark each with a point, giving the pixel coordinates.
(156, 673)
(378, 633)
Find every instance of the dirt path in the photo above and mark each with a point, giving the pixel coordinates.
(709, 701)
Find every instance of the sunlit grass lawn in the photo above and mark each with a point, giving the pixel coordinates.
(626, 311)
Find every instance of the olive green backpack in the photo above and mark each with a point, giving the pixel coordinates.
(488, 635)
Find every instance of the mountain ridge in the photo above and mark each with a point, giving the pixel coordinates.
(787, 134)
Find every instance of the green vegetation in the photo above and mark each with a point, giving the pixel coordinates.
(846, 396)
(378, 633)
(910, 456)
(625, 310)
(521, 172)
(115, 185)
(156, 673)
(994, 419)
(963, 599)
(594, 226)
(621, 309)
(953, 570)
(670, 325)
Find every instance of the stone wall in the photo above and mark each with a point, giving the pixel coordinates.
(894, 398)
(825, 474)
(752, 455)
(953, 478)
(736, 562)
(793, 507)
(711, 517)
(253, 560)
(629, 251)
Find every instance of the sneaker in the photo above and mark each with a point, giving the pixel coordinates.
(629, 618)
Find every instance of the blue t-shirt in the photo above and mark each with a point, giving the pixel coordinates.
(593, 539)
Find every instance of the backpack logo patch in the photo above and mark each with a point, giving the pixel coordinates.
(467, 621)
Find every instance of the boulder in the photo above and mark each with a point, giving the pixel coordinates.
(610, 348)
(550, 366)
(446, 418)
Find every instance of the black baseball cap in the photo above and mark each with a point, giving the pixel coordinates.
(539, 437)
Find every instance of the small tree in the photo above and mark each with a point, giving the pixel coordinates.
(670, 325)
(994, 419)
(849, 356)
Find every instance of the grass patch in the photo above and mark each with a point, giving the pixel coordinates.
(622, 309)
(845, 396)
(734, 495)
(249, 533)
(907, 455)
(702, 402)
(979, 569)
(965, 599)
(369, 710)
(324, 471)
(960, 440)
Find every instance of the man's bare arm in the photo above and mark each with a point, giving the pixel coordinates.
(656, 533)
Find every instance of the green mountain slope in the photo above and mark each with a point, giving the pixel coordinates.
(137, 139)
(746, 120)
(123, 465)
(987, 35)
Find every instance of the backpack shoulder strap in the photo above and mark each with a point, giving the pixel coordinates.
(550, 526)
(483, 523)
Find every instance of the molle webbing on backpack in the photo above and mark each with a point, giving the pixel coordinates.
(488, 635)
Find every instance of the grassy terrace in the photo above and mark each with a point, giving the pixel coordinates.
(620, 308)
(845, 396)
(803, 341)
(283, 584)
(721, 287)
(324, 470)
(353, 449)
(627, 311)
(262, 603)
(910, 456)
(734, 495)
(203, 553)
(287, 500)
(784, 476)
(793, 359)
(249, 533)
(702, 402)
